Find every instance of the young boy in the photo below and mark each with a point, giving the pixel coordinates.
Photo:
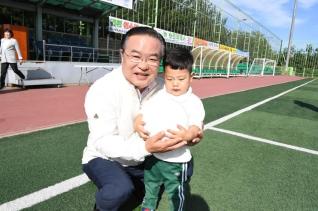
(178, 112)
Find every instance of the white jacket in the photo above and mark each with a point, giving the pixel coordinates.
(111, 106)
(165, 111)
(8, 50)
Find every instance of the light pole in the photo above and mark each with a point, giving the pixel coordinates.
(238, 29)
(195, 22)
(291, 34)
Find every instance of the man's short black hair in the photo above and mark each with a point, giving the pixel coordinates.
(179, 58)
(142, 30)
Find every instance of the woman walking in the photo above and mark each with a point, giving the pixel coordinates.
(9, 48)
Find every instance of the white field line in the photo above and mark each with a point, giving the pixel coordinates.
(44, 194)
(264, 140)
(236, 113)
(67, 185)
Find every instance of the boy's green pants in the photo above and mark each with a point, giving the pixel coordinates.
(174, 176)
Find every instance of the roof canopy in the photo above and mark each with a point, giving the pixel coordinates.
(208, 58)
(91, 8)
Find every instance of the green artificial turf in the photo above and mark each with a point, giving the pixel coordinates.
(232, 173)
(37, 160)
(81, 198)
(291, 119)
(217, 107)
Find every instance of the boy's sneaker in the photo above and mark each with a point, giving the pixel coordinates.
(95, 209)
(146, 209)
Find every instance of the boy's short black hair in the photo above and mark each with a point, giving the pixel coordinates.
(179, 58)
(142, 30)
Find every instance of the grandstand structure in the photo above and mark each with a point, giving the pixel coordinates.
(224, 40)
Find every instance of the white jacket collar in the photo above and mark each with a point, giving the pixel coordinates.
(179, 98)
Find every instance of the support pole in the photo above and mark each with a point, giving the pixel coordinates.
(201, 51)
(263, 67)
(247, 66)
(195, 22)
(95, 33)
(229, 65)
(291, 34)
(156, 14)
(39, 32)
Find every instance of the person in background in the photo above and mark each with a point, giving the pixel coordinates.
(8, 50)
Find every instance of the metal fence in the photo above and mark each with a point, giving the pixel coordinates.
(206, 20)
(303, 62)
(54, 52)
(203, 19)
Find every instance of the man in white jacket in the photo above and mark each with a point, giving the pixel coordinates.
(113, 158)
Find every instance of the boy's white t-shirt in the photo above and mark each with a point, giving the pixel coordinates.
(165, 111)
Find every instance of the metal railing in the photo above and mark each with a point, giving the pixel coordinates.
(54, 52)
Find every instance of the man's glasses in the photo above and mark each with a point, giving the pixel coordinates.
(152, 61)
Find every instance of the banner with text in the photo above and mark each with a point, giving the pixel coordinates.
(175, 38)
(227, 48)
(243, 53)
(121, 26)
(213, 45)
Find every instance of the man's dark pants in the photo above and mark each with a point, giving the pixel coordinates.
(119, 188)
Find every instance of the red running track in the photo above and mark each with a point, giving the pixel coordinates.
(30, 110)
(33, 109)
(219, 86)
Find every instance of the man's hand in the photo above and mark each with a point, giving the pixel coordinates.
(192, 135)
(182, 133)
(139, 126)
(157, 144)
(20, 61)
